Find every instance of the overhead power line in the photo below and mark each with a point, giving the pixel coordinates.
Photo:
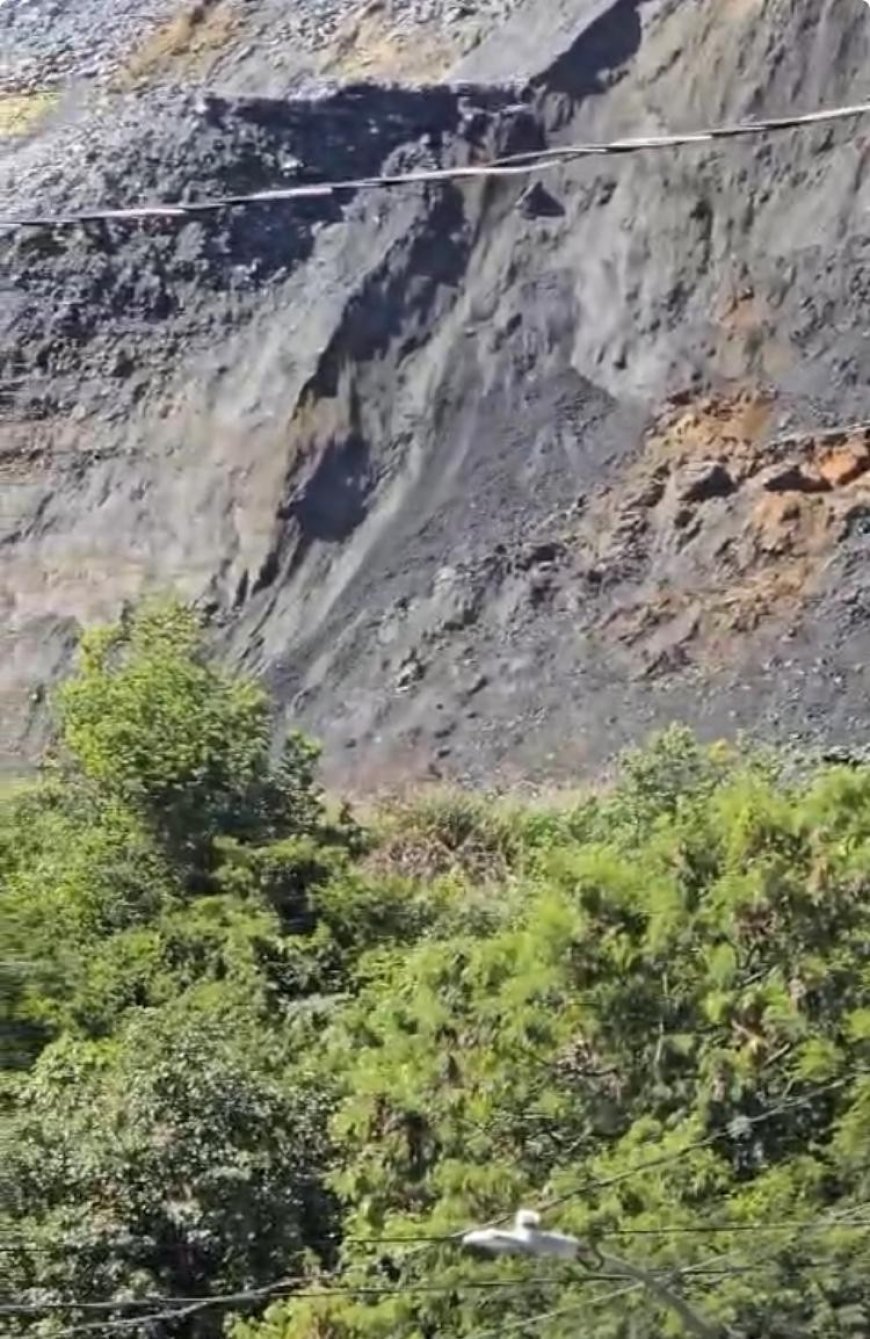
(423, 1240)
(288, 1288)
(664, 1159)
(284, 1287)
(523, 1322)
(173, 1308)
(718, 1265)
(512, 165)
(666, 1230)
(606, 1234)
(592, 1185)
(300, 1286)
(713, 1229)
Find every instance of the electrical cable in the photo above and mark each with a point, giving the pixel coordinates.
(722, 1261)
(747, 1122)
(706, 1268)
(176, 1308)
(512, 165)
(179, 1308)
(287, 1287)
(689, 1230)
(600, 1183)
(521, 1322)
(173, 1307)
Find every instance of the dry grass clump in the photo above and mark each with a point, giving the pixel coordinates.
(195, 36)
(442, 833)
(20, 112)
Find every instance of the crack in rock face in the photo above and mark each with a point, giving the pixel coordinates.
(485, 479)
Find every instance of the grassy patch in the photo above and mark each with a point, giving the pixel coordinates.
(372, 48)
(194, 37)
(19, 112)
(444, 832)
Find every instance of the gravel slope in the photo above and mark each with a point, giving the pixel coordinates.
(449, 468)
(253, 46)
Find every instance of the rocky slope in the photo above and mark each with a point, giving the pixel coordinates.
(485, 479)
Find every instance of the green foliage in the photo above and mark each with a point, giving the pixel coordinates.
(663, 1024)
(161, 1129)
(244, 1039)
(182, 1156)
(153, 723)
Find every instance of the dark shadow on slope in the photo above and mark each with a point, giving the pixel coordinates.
(391, 314)
(602, 48)
(74, 286)
(400, 300)
(332, 502)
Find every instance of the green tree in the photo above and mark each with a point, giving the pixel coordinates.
(663, 1025)
(247, 1040)
(153, 723)
(167, 845)
(158, 900)
(184, 1156)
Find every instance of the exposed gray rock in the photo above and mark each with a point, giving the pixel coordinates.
(302, 416)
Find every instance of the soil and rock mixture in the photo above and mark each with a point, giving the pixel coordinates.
(257, 46)
(485, 479)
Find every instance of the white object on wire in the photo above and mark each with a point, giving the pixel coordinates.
(526, 1236)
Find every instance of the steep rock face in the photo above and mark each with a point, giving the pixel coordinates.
(477, 476)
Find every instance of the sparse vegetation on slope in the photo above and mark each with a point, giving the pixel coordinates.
(245, 1040)
(21, 112)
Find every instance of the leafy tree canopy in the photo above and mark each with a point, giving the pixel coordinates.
(246, 1041)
